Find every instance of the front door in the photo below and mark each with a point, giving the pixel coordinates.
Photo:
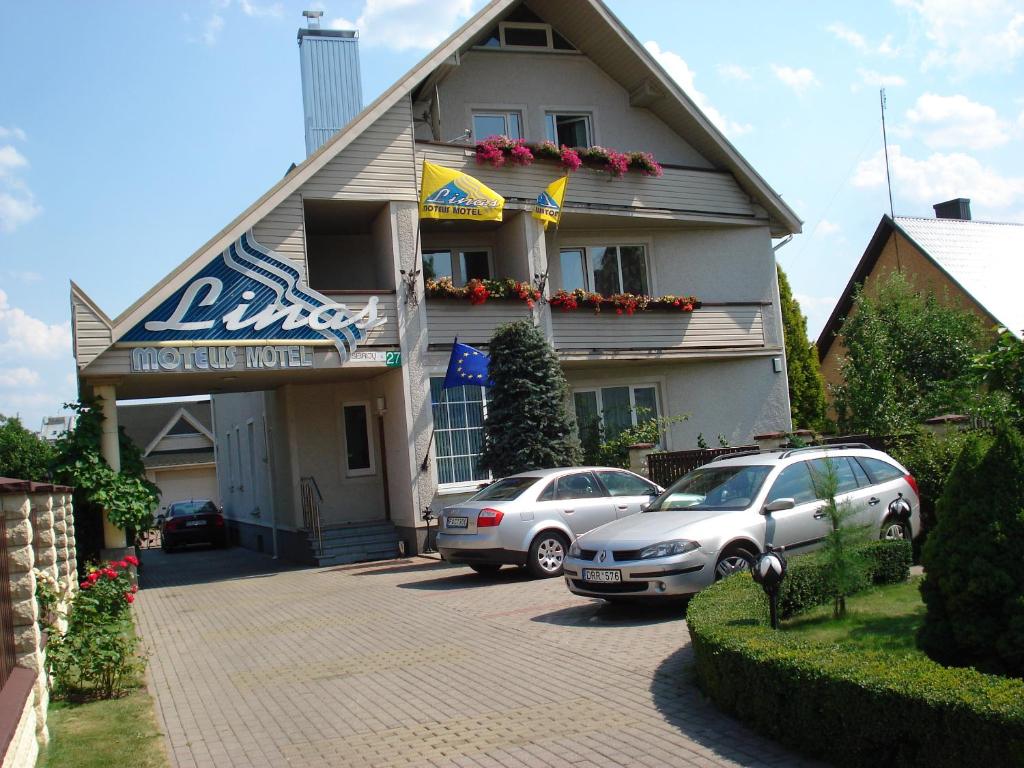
(803, 527)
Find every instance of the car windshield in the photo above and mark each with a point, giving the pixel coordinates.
(183, 508)
(713, 488)
(505, 490)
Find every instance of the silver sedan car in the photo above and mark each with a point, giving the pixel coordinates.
(530, 519)
(715, 520)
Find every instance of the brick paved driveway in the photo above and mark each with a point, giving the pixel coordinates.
(417, 663)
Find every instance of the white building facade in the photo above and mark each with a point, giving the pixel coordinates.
(336, 398)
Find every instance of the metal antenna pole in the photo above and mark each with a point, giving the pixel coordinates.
(888, 177)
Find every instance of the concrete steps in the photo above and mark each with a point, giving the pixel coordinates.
(356, 543)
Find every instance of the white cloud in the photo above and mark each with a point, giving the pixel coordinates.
(860, 43)
(17, 203)
(873, 79)
(826, 228)
(956, 121)
(847, 35)
(12, 378)
(817, 310)
(11, 158)
(407, 24)
(12, 133)
(212, 29)
(24, 275)
(799, 79)
(941, 177)
(680, 71)
(733, 72)
(273, 10)
(24, 335)
(970, 36)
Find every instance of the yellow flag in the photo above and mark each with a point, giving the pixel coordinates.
(548, 207)
(448, 194)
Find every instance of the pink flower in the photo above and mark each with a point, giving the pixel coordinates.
(131, 559)
(129, 597)
(570, 159)
(85, 584)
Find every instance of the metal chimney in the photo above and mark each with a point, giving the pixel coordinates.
(332, 90)
(958, 208)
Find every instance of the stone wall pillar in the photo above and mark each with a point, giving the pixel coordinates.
(21, 559)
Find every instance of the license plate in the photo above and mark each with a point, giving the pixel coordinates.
(601, 574)
(195, 523)
(457, 522)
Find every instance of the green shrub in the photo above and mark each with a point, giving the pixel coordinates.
(974, 592)
(807, 579)
(96, 656)
(930, 459)
(849, 707)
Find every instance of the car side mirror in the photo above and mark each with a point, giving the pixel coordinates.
(644, 506)
(777, 505)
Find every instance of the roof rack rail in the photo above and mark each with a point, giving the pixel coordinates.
(828, 446)
(722, 456)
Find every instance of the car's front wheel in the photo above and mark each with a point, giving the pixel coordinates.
(733, 560)
(547, 553)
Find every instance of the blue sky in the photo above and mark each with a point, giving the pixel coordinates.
(132, 132)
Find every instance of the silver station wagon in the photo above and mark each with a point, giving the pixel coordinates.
(716, 519)
(530, 519)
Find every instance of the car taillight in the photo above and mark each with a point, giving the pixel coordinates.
(488, 518)
(218, 521)
(912, 483)
(171, 525)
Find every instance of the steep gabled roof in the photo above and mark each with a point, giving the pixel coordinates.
(147, 423)
(983, 259)
(597, 33)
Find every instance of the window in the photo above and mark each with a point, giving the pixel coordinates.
(625, 484)
(879, 471)
(497, 124)
(613, 409)
(714, 487)
(358, 457)
(582, 485)
(794, 482)
(525, 35)
(548, 494)
(607, 269)
(460, 266)
(507, 489)
(458, 432)
(846, 480)
(572, 130)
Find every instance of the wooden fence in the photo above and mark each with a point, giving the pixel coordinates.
(665, 468)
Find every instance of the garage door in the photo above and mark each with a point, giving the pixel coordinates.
(182, 484)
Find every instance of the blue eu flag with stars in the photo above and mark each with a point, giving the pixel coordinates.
(467, 366)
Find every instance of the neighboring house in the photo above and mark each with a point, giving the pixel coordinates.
(176, 441)
(54, 427)
(977, 265)
(359, 409)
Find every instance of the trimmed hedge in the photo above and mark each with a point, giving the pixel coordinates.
(849, 707)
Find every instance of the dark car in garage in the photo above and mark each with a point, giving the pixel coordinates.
(196, 521)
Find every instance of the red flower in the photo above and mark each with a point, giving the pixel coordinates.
(618, 310)
(110, 573)
(131, 559)
(93, 577)
(129, 597)
(135, 588)
(85, 584)
(122, 564)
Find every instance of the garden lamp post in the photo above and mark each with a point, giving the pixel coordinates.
(428, 515)
(768, 571)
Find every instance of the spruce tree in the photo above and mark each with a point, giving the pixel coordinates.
(527, 426)
(806, 386)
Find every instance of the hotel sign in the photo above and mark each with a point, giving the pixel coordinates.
(251, 297)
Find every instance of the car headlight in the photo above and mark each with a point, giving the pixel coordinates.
(574, 550)
(668, 548)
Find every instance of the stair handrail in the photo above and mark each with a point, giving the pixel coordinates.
(311, 510)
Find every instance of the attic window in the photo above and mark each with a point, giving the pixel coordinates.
(523, 34)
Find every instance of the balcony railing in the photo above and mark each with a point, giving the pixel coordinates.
(451, 318)
(722, 326)
(387, 307)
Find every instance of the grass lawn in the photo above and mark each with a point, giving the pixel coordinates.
(101, 734)
(883, 618)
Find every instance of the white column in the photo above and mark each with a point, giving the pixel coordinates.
(110, 447)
